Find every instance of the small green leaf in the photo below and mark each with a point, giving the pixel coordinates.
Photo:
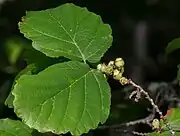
(173, 45)
(65, 97)
(10, 127)
(14, 48)
(173, 119)
(68, 31)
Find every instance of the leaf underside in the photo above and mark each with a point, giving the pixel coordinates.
(68, 31)
(65, 97)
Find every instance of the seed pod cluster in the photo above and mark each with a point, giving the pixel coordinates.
(115, 69)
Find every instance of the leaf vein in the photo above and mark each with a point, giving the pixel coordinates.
(101, 94)
(65, 113)
(94, 36)
(9, 133)
(74, 42)
(96, 51)
(53, 107)
(84, 108)
(90, 117)
(48, 35)
(54, 95)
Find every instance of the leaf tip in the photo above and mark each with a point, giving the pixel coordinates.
(172, 46)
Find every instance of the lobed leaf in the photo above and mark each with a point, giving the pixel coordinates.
(65, 97)
(36, 61)
(68, 31)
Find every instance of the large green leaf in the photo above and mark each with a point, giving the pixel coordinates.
(32, 56)
(37, 62)
(10, 127)
(68, 31)
(64, 97)
(173, 45)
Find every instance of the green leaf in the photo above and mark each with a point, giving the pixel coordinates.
(173, 119)
(14, 48)
(29, 70)
(32, 56)
(173, 45)
(10, 127)
(65, 97)
(68, 31)
(37, 62)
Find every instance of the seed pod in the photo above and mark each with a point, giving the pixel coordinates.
(116, 72)
(156, 124)
(118, 77)
(124, 81)
(122, 70)
(109, 70)
(101, 67)
(119, 62)
(111, 63)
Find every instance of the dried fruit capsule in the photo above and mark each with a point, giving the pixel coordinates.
(101, 67)
(118, 77)
(111, 63)
(156, 124)
(109, 70)
(124, 81)
(116, 72)
(122, 69)
(119, 62)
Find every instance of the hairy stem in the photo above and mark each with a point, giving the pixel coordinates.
(141, 90)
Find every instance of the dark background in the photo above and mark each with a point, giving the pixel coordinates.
(141, 32)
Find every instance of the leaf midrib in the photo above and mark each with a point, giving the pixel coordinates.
(40, 104)
(73, 39)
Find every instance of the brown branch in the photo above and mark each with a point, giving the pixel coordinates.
(145, 120)
(140, 91)
(135, 133)
(116, 69)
